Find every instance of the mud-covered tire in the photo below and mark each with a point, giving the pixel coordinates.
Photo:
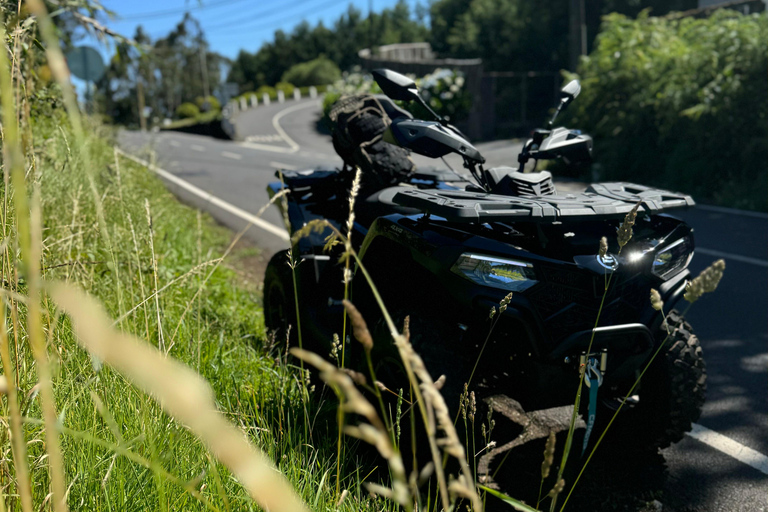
(279, 307)
(672, 393)
(357, 126)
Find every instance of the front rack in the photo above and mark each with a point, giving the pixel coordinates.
(603, 200)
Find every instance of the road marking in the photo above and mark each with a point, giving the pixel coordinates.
(197, 147)
(234, 156)
(210, 198)
(280, 165)
(293, 147)
(279, 115)
(264, 138)
(732, 211)
(175, 143)
(730, 447)
(734, 257)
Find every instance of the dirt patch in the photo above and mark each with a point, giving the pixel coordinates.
(249, 261)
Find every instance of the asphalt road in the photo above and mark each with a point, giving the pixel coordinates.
(693, 475)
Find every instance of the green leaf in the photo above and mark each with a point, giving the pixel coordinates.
(516, 504)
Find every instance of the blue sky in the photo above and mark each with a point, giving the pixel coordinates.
(231, 25)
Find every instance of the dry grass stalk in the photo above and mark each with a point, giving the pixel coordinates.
(182, 393)
(625, 230)
(160, 338)
(656, 302)
(374, 432)
(359, 327)
(18, 444)
(706, 282)
(29, 231)
(438, 416)
(549, 455)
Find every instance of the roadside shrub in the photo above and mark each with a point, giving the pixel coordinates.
(319, 71)
(187, 111)
(286, 88)
(268, 90)
(212, 103)
(680, 104)
(442, 89)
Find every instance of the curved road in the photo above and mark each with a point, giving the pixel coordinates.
(722, 467)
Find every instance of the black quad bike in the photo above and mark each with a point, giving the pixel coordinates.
(445, 251)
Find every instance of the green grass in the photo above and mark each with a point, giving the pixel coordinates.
(219, 332)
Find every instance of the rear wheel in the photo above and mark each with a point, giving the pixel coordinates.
(671, 396)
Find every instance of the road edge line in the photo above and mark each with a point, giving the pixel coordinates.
(210, 198)
(732, 211)
(734, 257)
(728, 446)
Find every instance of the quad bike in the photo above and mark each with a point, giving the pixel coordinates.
(445, 252)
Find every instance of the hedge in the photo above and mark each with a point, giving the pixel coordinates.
(680, 103)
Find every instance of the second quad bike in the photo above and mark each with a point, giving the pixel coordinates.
(446, 251)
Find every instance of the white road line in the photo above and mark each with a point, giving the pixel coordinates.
(730, 447)
(732, 211)
(196, 147)
(175, 143)
(210, 198)
(280, 165)
(234, 156)
(279, 129)
(265, 147)
(734, 257)
(293, 147)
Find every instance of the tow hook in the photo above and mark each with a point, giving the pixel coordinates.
(596, 364)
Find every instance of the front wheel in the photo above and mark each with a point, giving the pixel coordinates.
(671, 396)
(279, 306)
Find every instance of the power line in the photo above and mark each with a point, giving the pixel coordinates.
(267, 12)
(282, 21)
(173, 12)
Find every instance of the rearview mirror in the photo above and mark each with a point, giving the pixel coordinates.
(570, 92)
(395, 85)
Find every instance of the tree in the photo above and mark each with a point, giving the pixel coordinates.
(161, 75)
(319, 71)
(340, 44)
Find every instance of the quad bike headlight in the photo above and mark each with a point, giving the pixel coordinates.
(672, 258)
(510, 275)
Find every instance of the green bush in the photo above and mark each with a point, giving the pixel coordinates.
(286, 88)
(680, 104)
(268, 90)
(212, 103)
(187, 111)
(443, 90)
(320, 71)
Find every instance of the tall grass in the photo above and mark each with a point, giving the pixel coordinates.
(97, 254)
(86, 431)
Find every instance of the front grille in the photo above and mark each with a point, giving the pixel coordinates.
(527, 189)
(568, 300)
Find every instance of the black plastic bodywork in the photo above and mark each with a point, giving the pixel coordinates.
(537, 341)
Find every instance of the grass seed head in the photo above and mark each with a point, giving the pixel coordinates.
(359, 327)
(706, 282)
(504, 303)
(656, 302)
(557, 489)
(549, 455)
(625, 230)
(603, 247)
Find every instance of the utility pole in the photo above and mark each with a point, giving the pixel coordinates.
(577, 32)
(370, 26)
(204, 68)
(140, 93)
